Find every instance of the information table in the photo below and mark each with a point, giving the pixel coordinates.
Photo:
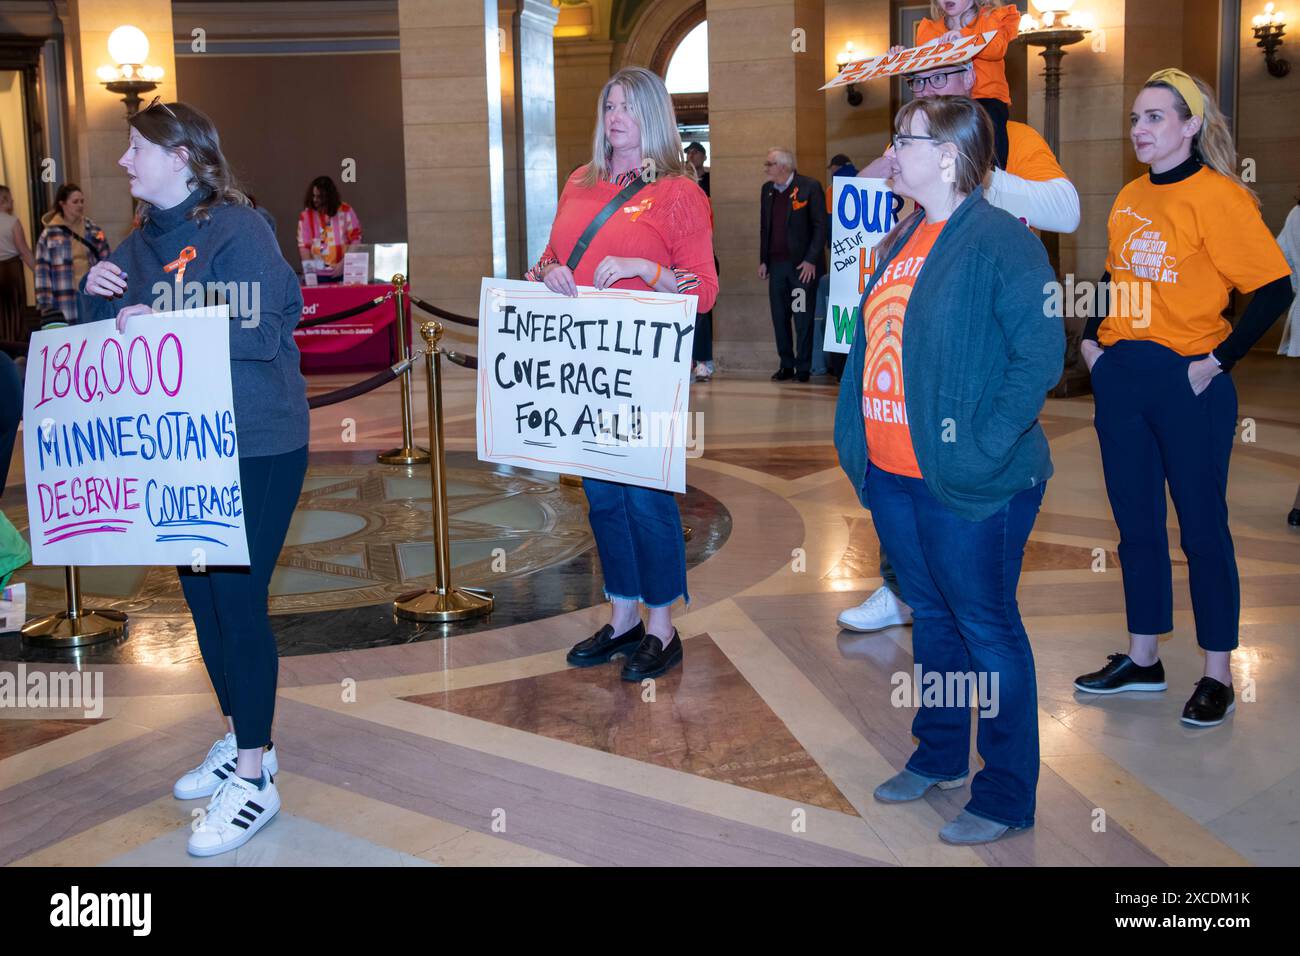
(362, 343)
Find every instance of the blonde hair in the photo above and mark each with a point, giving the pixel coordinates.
(652, 108)
(1212, 145)
(936, 9)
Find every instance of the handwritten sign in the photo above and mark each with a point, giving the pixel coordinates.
(129, 443)
(595, 385)
(862, 212)
(927, 56)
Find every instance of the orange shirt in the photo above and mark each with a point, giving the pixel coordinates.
(1186, 245)
(1029, 156)
(889, 437)
(990, 65)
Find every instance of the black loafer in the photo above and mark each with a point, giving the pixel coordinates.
(783, 374)
(603, 645)
(1209, 703)
(803, 376)
(1121, 674)
(1293, 519)
(652, 659)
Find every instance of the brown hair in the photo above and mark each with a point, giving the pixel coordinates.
(950, 119)
(64, 194)
(176, 125)
(329, 195)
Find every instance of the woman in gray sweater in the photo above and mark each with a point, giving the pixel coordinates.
(937, 427)
(197, 221)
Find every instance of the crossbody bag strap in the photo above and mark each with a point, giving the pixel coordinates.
(593, 227)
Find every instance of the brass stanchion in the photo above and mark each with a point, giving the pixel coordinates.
(409, 453)
(76, 626)
(442, 602)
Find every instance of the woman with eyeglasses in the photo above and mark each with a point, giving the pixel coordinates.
(937, 427)
(192, 206)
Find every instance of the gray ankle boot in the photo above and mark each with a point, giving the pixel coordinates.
(912, 786)
(968, 829)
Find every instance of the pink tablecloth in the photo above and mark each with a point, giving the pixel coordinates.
(363, 343)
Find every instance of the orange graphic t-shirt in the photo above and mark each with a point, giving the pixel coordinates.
(884, 411)
(1178, 249)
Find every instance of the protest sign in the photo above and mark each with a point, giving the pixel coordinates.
(129, 443)
(862, 212)
(927, 56)
(593, 385)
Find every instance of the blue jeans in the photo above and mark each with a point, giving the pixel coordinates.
(639, 537)
(960, 578)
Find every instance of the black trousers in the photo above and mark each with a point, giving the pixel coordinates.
(792, 301)
(999, 114)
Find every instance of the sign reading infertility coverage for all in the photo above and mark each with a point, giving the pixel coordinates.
(129, 443)
(595, 385)
(927, 56)
(862, 212)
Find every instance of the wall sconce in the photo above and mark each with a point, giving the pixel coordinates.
(1270, 26)
(843, 59)
(131, 77)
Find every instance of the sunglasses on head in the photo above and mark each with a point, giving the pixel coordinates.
(158, 101)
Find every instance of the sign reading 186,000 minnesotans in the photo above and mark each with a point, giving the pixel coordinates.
(129, 443)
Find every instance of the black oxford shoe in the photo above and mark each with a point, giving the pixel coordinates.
(652, 659)
(1209, 703)
(603, 645)
(783, 375)
(1121, 674)
(1293, 519)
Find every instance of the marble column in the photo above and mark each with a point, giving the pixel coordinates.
(451, 119)
(766, 63)
(98, 118)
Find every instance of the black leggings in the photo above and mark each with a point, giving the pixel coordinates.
(999, 113)
(229, 604)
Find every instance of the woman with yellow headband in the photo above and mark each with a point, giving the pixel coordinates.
(1180, 239)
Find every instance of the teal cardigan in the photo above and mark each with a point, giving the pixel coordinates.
(980, 352)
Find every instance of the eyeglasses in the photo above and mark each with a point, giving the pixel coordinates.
(938, 81)
(901, 139)
(158, 101)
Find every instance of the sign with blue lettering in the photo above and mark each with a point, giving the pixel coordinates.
(862, 212)
(594, 385)
(129, 443)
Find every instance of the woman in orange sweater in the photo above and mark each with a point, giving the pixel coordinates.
(658, 238)
(949, 21)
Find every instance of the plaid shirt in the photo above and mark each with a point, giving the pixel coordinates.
(56, 286)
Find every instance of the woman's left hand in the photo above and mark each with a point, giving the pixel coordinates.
(613, 268)
(130, 310)
(1201, 373)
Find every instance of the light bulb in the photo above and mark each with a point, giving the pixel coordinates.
(128, 45)
(1053, 6)
(106, 74)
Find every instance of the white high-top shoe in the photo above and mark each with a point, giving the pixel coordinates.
(218, 766)
(876, 613)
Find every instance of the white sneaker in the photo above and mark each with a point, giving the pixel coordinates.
(876, 613)
(236, 811)
(217, 767)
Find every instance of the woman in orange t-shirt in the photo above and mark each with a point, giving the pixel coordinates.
(1180, 239)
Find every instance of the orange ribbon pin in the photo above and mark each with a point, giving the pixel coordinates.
(177, 265)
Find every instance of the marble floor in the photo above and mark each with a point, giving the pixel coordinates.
(482, 747)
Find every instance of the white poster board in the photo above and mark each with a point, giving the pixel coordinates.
(129, 443)
(596, 385)
(916, 59)
(862, 212)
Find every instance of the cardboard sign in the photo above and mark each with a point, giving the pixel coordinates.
(927, 56)
(595, 385)
(129, 443)
(862, 212)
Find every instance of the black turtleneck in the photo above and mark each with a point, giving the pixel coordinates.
(1266, 305)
